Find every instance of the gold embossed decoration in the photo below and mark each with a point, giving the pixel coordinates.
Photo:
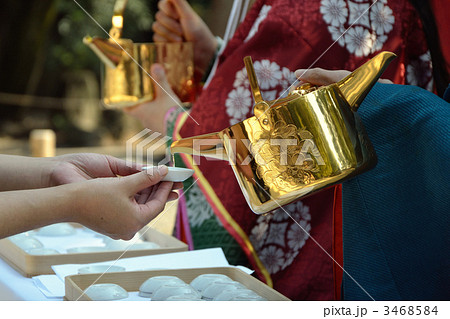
(284, 155)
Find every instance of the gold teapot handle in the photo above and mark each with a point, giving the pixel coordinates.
(261, 108)
(117, 19)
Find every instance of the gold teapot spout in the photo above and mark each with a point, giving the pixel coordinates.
(208, 145)
(357, 84)
(109, 52)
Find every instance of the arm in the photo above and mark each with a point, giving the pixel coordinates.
(20, 172)
(117, 207)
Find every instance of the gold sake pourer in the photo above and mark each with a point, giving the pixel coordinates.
(296, 145)
(127, 79)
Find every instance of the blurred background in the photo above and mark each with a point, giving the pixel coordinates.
(50, 80)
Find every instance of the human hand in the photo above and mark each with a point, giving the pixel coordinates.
(318, 76)
(176, 21)
(72, 168)
(152, 113)
(119, 207)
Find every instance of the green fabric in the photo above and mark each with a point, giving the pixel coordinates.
(396, 222)
(206, 229)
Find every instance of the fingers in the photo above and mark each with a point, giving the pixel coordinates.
(177, 185)
(385, 81)
(159, 38)
(170, 24)
(320, 76)
(172, 196)
(158, 199)
(165, 33)
(168, 8)
(120, 167)
(139, 181)
(167, 27)
(183, 9)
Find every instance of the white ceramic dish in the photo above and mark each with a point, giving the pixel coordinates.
(104, 292)
(185, 297)
(216, 288)
(26, 242)
(86, 249)
(152, 284)
(175, 174)
(237, 295)
(248, 297)
(61, 229)
(166, 291)
(203, 281)
(98, 269)
(118, 244)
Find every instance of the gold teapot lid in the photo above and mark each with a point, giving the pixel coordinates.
(117, 19)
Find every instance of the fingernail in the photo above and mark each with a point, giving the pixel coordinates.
(163, 170)
(157, 70)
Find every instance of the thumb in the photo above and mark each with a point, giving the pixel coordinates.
(161, 84)
(142, 180)
(320, 76)
(183, 9)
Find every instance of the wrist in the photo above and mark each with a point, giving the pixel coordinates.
(47, 169)
(153, 117)
(207, 55)
(71, 197)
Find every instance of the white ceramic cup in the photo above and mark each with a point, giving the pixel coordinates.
(166, 291)
(185, 297)
(248, 297)
(216, 288)
(86, 249)
(61, 229)
(100, 269)
(229, 294)
(175, 174)
(202, 281)
(149, 286)
(26, 242)
(104, 292)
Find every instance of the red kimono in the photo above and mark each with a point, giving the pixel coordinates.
(282, 36)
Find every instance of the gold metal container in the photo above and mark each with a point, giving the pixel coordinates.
(127, 78)
(297, 145)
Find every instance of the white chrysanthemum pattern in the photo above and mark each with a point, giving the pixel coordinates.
(278, 239)
(368, 24)
(238, 102)
(334, 12)
(419, 72)
(198, 207)
(359, 41)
